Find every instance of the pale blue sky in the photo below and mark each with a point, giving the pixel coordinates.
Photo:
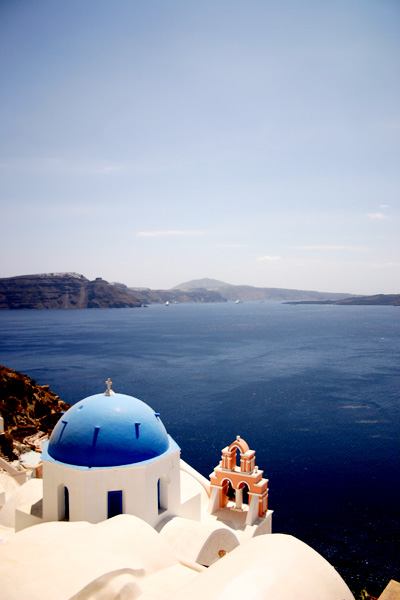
(155, 141)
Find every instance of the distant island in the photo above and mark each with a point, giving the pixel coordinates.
(377, 300)
(72, 291)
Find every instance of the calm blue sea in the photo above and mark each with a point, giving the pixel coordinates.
(315, 390)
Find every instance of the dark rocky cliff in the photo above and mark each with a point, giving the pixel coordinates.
(63, 290)
(71, 290)
(27, 409)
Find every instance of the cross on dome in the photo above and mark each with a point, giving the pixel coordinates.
(109, 391)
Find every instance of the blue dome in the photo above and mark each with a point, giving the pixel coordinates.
(108, 431)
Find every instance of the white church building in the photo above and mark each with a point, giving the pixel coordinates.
(118, 514)
(110, 454)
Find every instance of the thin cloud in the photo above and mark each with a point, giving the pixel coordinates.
(377, 216)
(54, 164)
(229, 246)
(380, 265)
(327, 247)
(110, 169)
(269, 258)
(172, 232)
(384, 206)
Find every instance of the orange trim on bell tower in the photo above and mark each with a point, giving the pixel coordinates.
(239, 476)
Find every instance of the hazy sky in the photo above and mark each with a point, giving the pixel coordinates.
(155, 141)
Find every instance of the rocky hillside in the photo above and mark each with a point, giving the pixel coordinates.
(63, 290)
(27, 409)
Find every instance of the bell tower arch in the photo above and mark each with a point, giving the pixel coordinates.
(237, 468)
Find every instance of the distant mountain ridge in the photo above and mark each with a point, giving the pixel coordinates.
(72, 290)
(249, 293)
(210, 284)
